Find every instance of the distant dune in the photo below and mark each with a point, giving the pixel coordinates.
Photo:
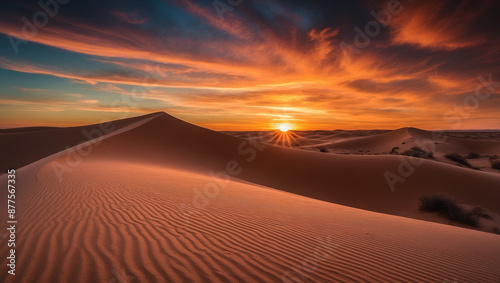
(142, 202)
(406, 138)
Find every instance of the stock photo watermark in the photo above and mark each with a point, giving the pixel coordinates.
(302, 272)
(31, 27)
(121, 276)
(222, 7)
(201, 199)
(372, 29)
(12, 221)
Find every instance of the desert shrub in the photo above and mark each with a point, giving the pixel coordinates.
(447, 208)
(418, 152)
(481, 212)
(496, 230)
(495, 164)
(323, 149)
(493, 157)
(394, 150)
(473, 155)
(458, 158)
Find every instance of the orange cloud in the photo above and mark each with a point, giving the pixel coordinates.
(439, 25)
(322, 39)
(255, 70)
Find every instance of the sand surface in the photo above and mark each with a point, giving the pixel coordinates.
(142, 204)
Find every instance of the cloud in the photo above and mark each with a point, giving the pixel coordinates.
(77, 95)
(323, 40)
(130, 18)
(33, 90)
(263, 56)
(441, 25)
(394, 87)
(89, 101)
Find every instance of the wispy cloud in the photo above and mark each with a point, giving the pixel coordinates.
(442, 25)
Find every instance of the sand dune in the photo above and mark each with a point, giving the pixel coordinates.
(112, 221)
(406, 138)
(460, 145)
(356, 181)
(143, 205)
(23, 146)
(377, 143)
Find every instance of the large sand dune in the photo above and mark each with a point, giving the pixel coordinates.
(357, 181)
(141, 205)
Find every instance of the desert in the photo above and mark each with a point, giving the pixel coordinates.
(249, 141)
(161, 200)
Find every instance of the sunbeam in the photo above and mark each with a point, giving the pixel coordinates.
(285, 137)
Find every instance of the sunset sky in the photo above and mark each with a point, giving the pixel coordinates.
(251, 64)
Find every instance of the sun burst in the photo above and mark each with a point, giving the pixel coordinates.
(284, 128)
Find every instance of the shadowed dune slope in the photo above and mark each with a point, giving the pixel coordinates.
(22, 146)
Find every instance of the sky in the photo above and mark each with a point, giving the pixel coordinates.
(252, 64)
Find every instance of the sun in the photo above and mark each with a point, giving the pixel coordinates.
(284, 127)
(283, 136)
